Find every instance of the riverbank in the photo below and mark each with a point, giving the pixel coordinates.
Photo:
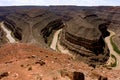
(55, 45)
(8, 33)
(55, 39)
(112, 51)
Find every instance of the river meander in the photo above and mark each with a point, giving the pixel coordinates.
(8, 33)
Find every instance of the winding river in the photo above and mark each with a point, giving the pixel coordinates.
(54, 44)
(107, 39)
(55, 39)
(8, 33)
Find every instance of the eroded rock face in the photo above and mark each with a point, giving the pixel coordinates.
(17, 32)
(85, 36)
(2, 37)
(54, 25)
(83, 33)
(30, 25)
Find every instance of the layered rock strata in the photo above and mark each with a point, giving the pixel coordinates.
(31, 25)
(86, 39)
(54, 25)
(2, 37)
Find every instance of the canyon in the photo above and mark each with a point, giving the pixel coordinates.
(73, 34)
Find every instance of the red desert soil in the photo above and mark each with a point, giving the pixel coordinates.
(29, 62)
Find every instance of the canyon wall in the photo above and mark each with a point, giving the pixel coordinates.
(85, 36)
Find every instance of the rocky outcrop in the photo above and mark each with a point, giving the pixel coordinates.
(73, 75)
(4, 74)
(83, 37)
(102, 78)
(78, 76)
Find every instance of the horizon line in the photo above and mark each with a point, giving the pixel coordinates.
(62, 5)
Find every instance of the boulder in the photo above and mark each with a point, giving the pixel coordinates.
(102, 78)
